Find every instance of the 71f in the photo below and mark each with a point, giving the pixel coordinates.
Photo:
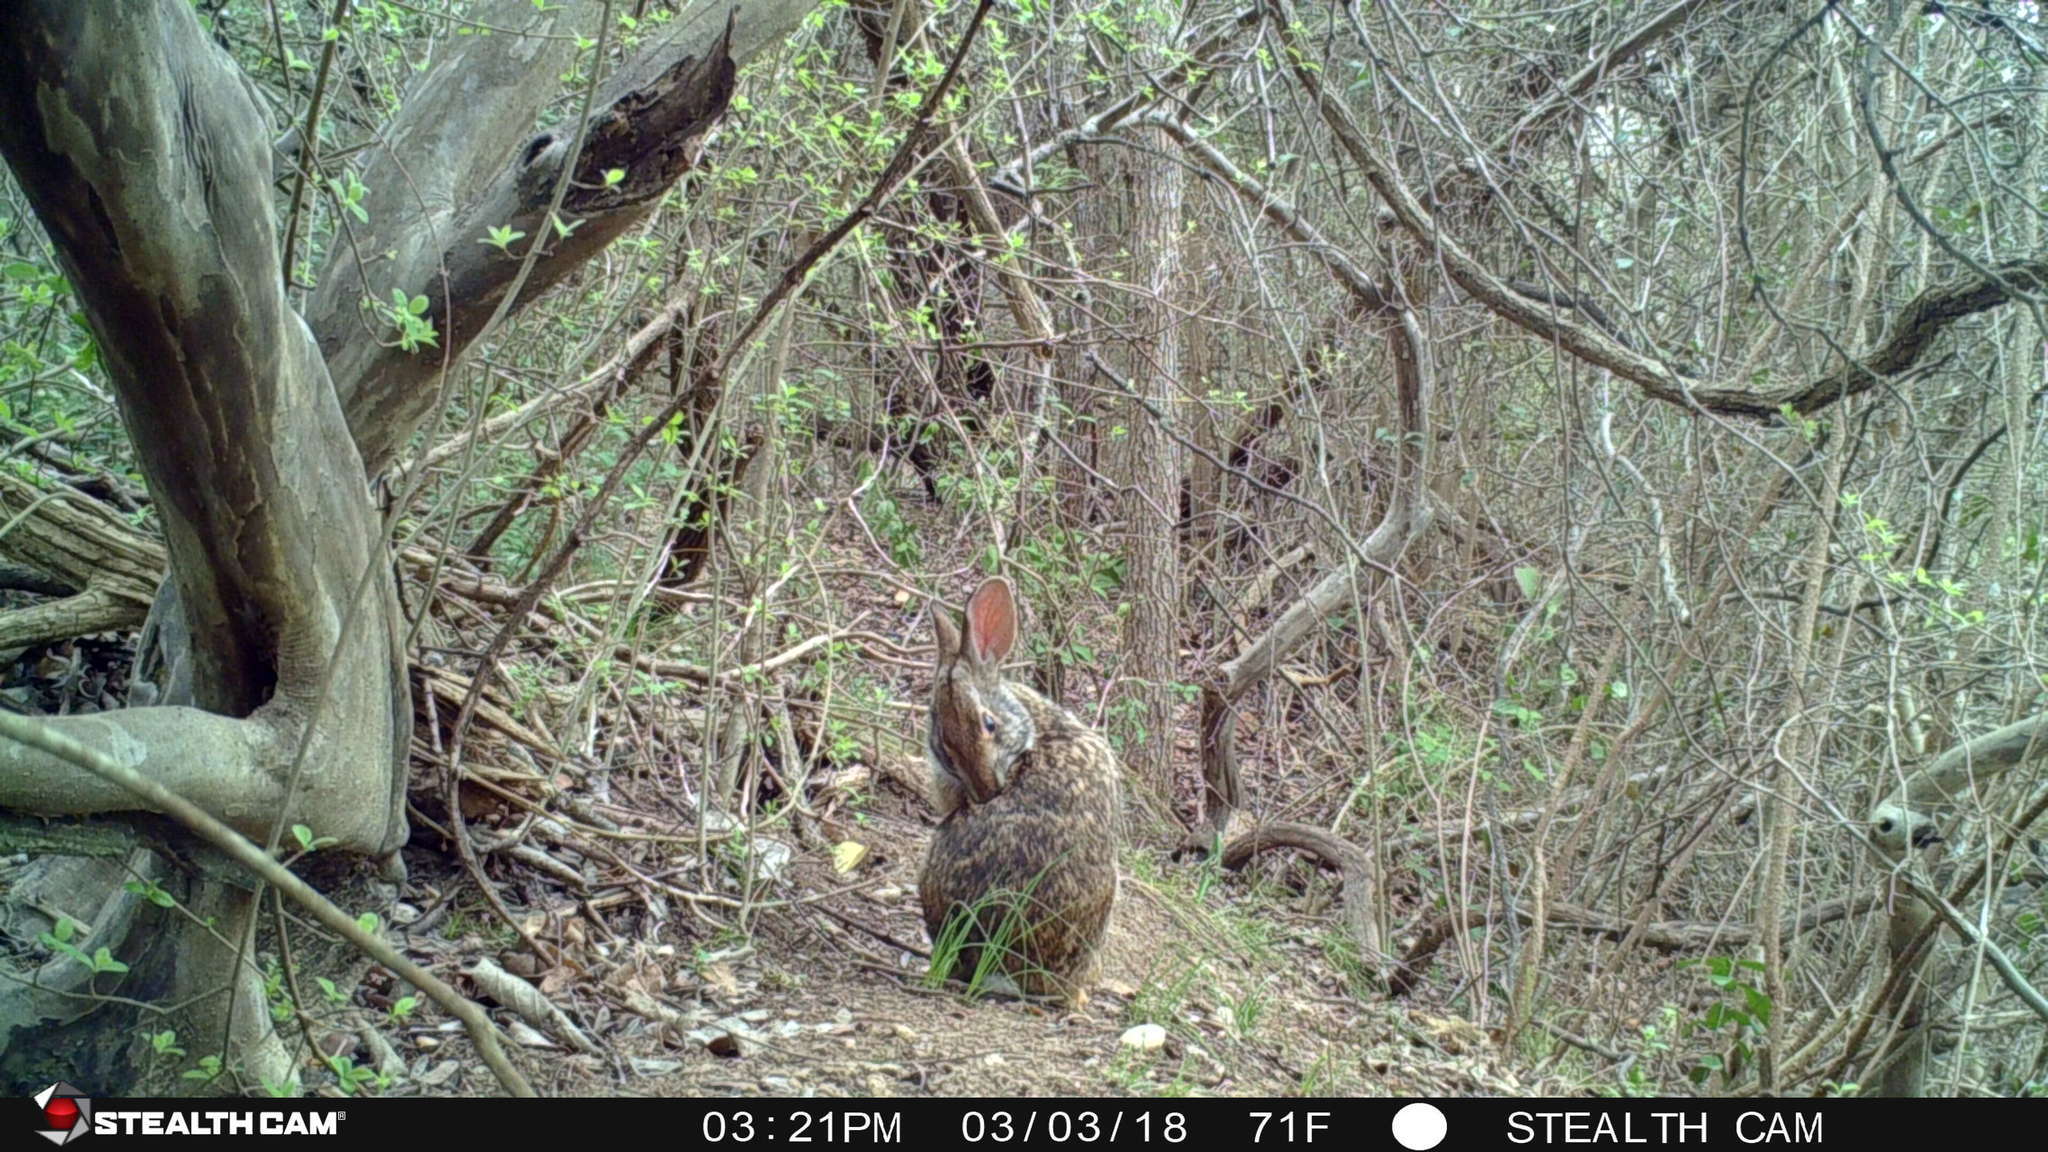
(1294, 1126)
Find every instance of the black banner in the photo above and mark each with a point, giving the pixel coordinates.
(68, 1116)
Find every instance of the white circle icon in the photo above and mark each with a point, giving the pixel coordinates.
(1419, 1127)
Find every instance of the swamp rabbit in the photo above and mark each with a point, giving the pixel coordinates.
(1023, 865)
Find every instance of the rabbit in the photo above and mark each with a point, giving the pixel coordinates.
(1030, 800)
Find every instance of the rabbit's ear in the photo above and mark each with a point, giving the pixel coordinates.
(991, 621)
(948, 632)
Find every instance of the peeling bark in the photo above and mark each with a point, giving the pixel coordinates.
(480, 101)
(106, 573)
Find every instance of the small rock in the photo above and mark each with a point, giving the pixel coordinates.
(528, 1036)
(774, 857)
(1144, 1037)
(994, 1060)
(403, 913)
(886, 894)
(335, 1044)
(904, 1033)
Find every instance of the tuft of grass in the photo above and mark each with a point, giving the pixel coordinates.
(1246, 1010)
(1165, 1003)
(1340, 949)
(995, 927)
(1321, 1078)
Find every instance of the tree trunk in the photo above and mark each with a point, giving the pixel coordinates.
(1148, 473)
(137, 142)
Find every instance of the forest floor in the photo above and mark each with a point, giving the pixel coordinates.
(826, 996)
(821, 990)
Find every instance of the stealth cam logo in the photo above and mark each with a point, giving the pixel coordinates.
(67, 1114)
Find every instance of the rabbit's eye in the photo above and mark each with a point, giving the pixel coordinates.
(988, 723)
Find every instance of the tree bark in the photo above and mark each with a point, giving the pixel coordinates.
(136, 140)
(1149, 473)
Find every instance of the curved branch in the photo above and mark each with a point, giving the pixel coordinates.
(24, 734)
(223, 765)
(1901, 820)
(1407, 514)
(1351, 862)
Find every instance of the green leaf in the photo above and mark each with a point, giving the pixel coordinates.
(151, 893)
(1759, 1004)
(1531, 581)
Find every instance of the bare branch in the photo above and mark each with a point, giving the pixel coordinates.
(1910, 337)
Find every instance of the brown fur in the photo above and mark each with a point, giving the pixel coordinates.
(1030, 813)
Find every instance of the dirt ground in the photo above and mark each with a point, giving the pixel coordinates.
(826, 996)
